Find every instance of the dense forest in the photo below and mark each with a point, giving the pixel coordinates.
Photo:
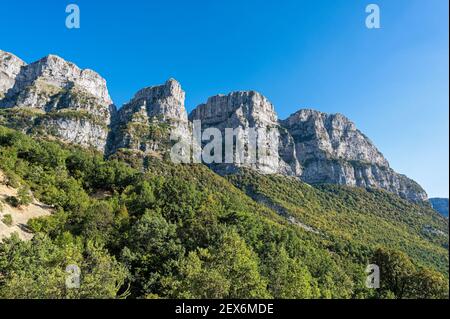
(142, 227)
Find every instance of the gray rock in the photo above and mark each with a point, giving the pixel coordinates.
(322, 136)
(332, 150)
(10, 67)
(146, 122)
(55, 97)
(248, 110)
(81, 131)
(76, 104)
(53, 73)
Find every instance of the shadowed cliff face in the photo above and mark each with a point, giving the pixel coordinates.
(10, 67)
(55, 97)
(247, 110)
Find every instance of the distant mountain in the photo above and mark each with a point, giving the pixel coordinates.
(440, 205)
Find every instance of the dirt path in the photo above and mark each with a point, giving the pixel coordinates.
(20, 216)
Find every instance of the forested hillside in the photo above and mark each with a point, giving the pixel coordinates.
(142, 227)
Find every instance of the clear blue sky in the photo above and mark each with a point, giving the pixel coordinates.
(393, 82)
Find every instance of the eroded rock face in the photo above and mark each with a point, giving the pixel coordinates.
(250, 110)
(10, 67)
(78, 131)
(73, 104)
(322, 136)
(56, 73)
(332, 150)
(146, 122)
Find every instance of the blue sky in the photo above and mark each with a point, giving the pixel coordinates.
(392, 82)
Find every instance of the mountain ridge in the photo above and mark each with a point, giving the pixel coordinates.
(54, 97)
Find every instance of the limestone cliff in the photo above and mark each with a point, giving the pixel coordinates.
(275, 151)
(61, 99)
(146, 122)
(332, 150)
(55, 97)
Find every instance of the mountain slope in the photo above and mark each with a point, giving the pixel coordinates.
(365, 217)
(181, 231)
(19, 216)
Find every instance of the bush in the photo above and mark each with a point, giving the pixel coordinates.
(13, 201)
(7, 220)
(24, 196)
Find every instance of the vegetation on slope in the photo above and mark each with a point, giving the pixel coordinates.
(181, 231)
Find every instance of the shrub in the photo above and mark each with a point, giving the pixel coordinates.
(7, 220)
(24, 196)
(13, 201)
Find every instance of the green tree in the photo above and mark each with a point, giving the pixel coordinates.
(429, 284)
(396, 270)
(24, 196)
(196, 279)
(288, 277)
(152, 252)
(37, 269)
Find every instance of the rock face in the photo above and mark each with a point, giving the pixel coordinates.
(10, 67)
(332, 150)
(275, 151)
(314, 146)
(71, 103)
(147, 121)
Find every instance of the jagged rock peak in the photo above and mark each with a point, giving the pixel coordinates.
(332, 150)
(147, 121)
(58, 72)
(322, 135)
(59, 98)
(166, 100)
(250, 106)
(10, 66)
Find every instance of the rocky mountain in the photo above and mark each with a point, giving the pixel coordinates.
(246, 110)
(58, 98)
(147, 121)
(332, 150)
(55, 97)
(313, 146)
(10, 67)
(440, 205)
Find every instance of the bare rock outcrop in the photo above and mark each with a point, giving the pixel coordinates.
(275, 151)
(60, 98)
(146, 123)
(10, 67)
(332, 150)
(55, 97)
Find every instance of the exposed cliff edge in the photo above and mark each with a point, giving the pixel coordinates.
(247, 110)
(146, 122)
